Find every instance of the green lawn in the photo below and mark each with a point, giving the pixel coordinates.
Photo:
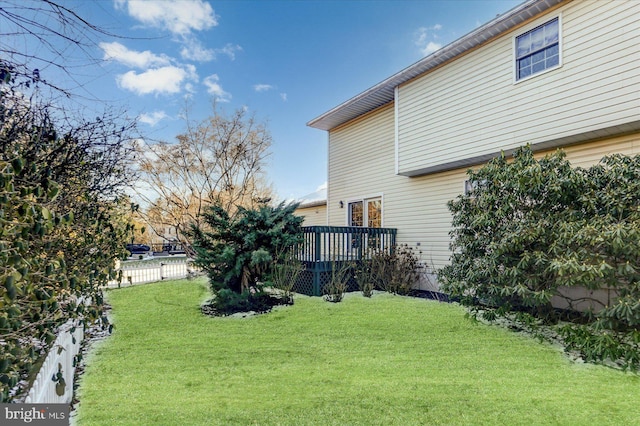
(380, 361)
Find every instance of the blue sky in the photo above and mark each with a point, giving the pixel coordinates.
(286, 61)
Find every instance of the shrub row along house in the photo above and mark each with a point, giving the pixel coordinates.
(548, 73)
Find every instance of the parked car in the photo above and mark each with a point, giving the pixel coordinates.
(173, 248)
(138, 248)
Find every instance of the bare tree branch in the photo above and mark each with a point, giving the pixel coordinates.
(36, 35)
(217, 160)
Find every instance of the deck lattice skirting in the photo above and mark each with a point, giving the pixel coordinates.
(327, 248)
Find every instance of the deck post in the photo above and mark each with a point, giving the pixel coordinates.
(316, 264)
(318, 248)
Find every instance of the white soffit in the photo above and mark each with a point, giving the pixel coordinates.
(383, 92)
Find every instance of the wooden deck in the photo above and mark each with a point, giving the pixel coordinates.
(326, 248)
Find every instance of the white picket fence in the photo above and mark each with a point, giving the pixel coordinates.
(47, 387)
(152, 269)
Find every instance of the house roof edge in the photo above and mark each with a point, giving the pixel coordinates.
(383, 92)
(313, 203)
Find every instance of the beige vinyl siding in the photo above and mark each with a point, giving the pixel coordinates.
(361, 164)
(586, 155)
(471, 107)
(313, 216)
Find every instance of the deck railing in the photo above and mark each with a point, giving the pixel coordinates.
(338, 243)
(326, 248)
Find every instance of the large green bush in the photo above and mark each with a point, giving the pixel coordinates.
(531, 227)
(238, 251)
(61, 224)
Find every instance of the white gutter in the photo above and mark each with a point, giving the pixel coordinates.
(383, 92)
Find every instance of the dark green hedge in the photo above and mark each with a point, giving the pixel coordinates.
(531, 227)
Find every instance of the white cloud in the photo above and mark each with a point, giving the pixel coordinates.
(431, 47)
(120, 53)
(229, 49)
(154, 118)
(190, 89)
(262, 87)
(193, 50)
(425, 38)
(178, 16)
(214, 88)
(164, 80)
(283, 96)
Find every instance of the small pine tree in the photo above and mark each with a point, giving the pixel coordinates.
(238, 251)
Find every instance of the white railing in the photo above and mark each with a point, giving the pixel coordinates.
(54, 382)
(152, 269)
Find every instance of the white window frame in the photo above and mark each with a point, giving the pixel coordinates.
(469, 187)
(364, 207)
(528, 30)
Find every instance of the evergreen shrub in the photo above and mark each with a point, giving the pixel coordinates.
(238, 252)
(63, 223)
(530, 228)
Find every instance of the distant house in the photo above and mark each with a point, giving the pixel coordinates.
(549, 73)
(314, 213)
(313, 208)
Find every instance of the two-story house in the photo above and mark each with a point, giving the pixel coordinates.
(548, 73)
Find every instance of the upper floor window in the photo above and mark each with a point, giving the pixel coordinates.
(538, 50)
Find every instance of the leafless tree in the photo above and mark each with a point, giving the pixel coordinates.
(219, 159)
(46, 42)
